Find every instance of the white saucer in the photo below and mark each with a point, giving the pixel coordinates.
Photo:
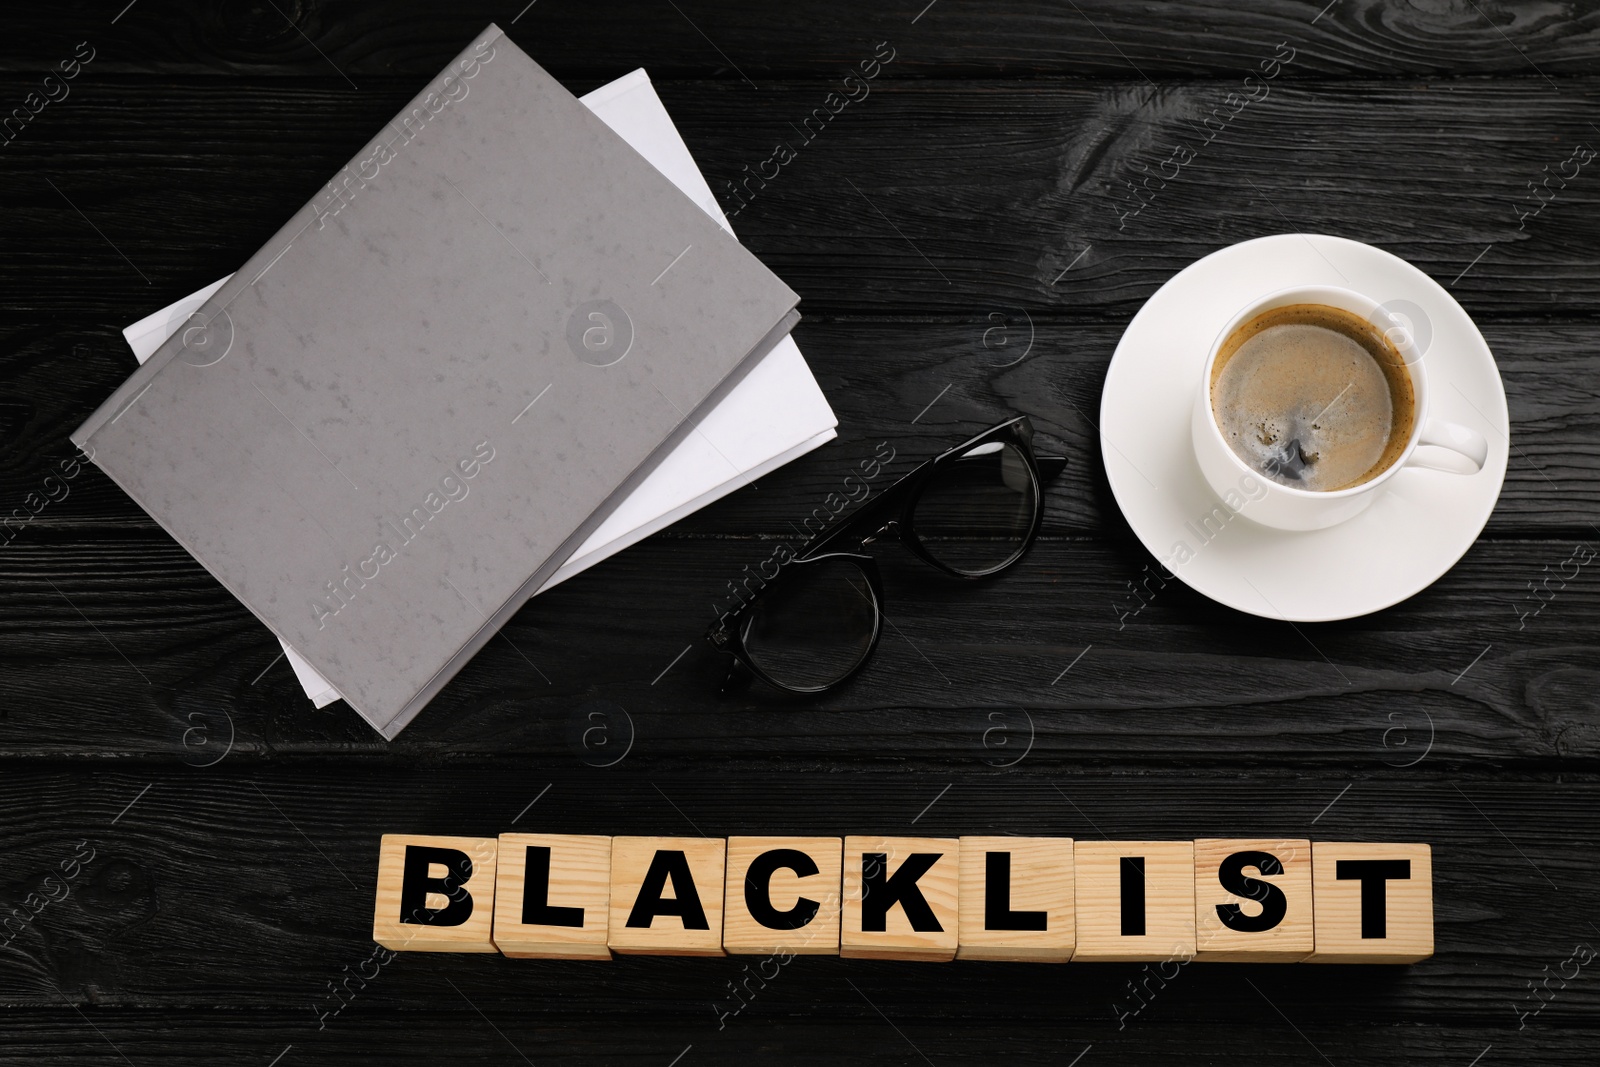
(1417, 528)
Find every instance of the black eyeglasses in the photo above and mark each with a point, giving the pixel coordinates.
(972, 512)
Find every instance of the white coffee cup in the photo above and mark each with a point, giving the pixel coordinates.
(1284, 507)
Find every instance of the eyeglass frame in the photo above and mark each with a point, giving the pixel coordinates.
(727, 635)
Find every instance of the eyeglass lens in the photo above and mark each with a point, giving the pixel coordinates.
(975, 513)
(813, 628)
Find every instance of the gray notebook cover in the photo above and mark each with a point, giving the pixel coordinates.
(405, 411)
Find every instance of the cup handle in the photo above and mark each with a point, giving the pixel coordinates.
(1463, 441)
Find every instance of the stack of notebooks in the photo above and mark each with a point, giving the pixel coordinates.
(512, 337)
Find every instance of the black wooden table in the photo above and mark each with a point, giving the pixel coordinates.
(989, 178)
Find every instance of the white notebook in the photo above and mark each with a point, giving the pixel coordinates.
(776, 414)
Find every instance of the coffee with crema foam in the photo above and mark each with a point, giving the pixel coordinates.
(1313, 397)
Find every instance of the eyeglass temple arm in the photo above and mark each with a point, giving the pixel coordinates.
(737, 680)
(1050, 467)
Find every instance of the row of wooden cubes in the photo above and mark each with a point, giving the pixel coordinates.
(1043, 899)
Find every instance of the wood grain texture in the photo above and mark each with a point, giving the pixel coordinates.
(816, 893)
(666, 895)
(968, 195)
(1356, 922)
(1039, 880)
(1290, 940)
(783, 1030)
(984, 187)
(909, 887)
(282, 921)
(726, 39)
(128, 647)
(459, 876)
(879, 374)
(1161, 885)
(576, 875)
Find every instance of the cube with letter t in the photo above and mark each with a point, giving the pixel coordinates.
(435, 894)
(900, 898)
(1374, 902)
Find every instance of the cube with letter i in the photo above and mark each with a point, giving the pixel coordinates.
(1135, 900)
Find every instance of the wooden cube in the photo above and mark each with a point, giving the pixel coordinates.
(435, 894)
(782, 895)
(1135, 900)
(1252, 900)
(1017, 896)
(666, 895)
(552, 896)
(1374, 902)
(900, 898)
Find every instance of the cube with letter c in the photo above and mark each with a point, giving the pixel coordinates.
(782, 895)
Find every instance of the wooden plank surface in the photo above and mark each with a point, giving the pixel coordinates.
(880, 373)
(967, 194)
(227, 887)
(989, 178)
(125, 648)
(730, 40)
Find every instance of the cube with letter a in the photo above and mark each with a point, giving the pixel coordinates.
(435, 894)
(1252, 900)
(1017, 896)
(900, 898)
(552, 896)
(782, 895)
(1374, 902)
(1135, 900)
(666, 895)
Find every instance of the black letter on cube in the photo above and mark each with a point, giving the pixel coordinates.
(1373, 876)
(997, 913)
(879, 894)
(536, 907)
(415, 885)
(668, 863)
(1274, 906)
(758, 887)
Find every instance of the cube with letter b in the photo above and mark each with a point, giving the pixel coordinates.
(1135, 900)
(1017, 896)
(435, 894)
(552, 896)
(783, 895)
(900, 898)
(666, 895)
(1374, 902)
(1252, 900)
